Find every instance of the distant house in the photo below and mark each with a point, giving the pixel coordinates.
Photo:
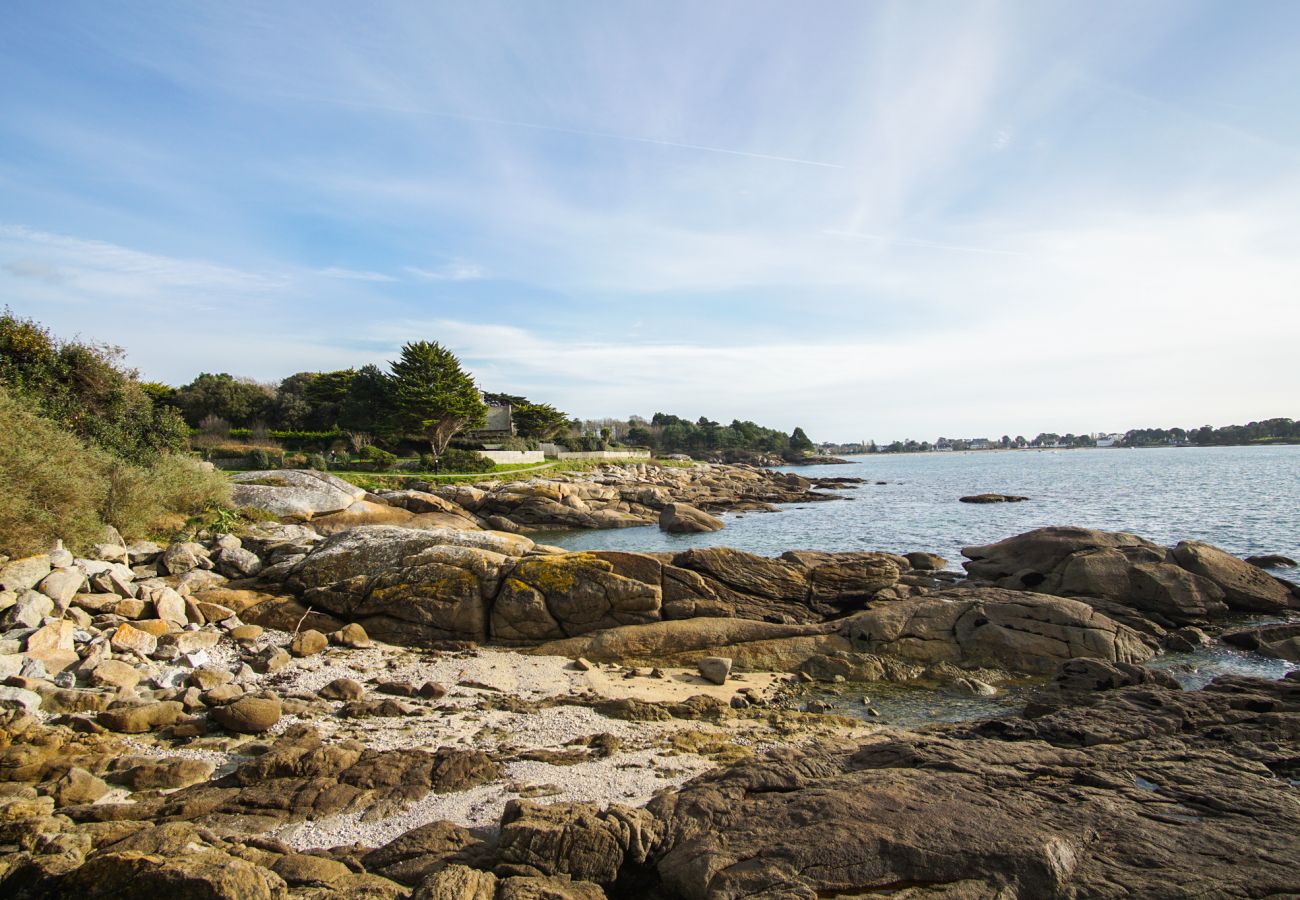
(498, 426)
(980, 444)
(1108, 440)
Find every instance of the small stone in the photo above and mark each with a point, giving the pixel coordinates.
(582, 664)
(431, 690)
(155, 627)
(126, 637)
(34, 669)
(237, 562)
(272, 659)
(308, 643)
(872, 711)
(351, 635)
(185, 557)
(246, 634)
(213, 612)
(192, 641)
(24, 574)
(342, 689)
(205, 678)
(715, 668)
(248, 715)
(129, 608)
(222, 693)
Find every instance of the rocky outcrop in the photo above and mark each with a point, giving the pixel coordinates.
(1278, 641)
(992, 498)
(1018, 630)
(1141, 805)
(549, 597)
(1129, 578)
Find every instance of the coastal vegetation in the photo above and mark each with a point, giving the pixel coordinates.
(84, 444)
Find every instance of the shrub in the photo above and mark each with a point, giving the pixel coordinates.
(51, 482)
(318, 462)
(143, 501)
(453, 460)
(379, 460)
(260, 458)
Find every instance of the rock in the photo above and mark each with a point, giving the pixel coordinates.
(413, 856)
(302, 869)
(140, 719)
(1247, 588)
(170, 607)
(574, 839)
(236, 562)
(127, 638)
(29, 610)
(293, 493)
(549, 597)
(1277, 641)
(992, 498)
(457, 882)
(246, 634)
(1272, 561)
(925, 561)
(715, 669)
(184, 557)
(51, 639)
(351, 635)
(20, 575)
(1187, 639)
(166, 774)
(682, 518)
(116, 674)
(75, 786)
(61, 585)
(342, 689)
(210, 875)
(19, 698)
(272, 659)
(248, 715)
(308, 643)
(1016, 630)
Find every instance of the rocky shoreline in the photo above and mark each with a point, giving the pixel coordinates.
(436, 708)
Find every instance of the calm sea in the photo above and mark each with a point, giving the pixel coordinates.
(1244, 499)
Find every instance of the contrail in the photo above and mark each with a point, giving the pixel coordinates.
(912, 242)
(607, 135)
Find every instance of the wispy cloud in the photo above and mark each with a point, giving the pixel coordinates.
(354, 274)
(457, 270)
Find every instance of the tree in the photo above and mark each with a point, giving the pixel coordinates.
(432, 395)
(240, 401)
(799, 441)
(537, 420)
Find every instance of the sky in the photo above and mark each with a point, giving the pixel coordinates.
(874, 220)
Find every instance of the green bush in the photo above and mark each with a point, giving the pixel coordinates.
(318, 462)
(52, 483)
(453, 460)
(376, 460)
(259, 458)
(428, 462)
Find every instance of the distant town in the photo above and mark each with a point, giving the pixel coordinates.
(1269, 431)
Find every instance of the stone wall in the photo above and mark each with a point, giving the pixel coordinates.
(506, 457)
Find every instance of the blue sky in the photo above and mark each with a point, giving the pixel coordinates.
(873, 220)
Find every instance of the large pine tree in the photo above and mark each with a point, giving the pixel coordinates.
(432, 395)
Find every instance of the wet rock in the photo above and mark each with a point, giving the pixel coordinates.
(1277, 641)
(1272, 561)
(925, 561)
(992, 498)
(682, 518)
